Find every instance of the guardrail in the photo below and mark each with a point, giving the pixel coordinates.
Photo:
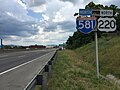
(41, 78)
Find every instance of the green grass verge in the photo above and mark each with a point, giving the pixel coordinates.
(109, 55)
(38, 87)
(72, 71)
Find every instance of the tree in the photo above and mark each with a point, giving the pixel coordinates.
(79, 39)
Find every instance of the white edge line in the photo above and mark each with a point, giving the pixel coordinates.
(43, 65)
(22, 64)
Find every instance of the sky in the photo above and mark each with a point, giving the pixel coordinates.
(41, 22)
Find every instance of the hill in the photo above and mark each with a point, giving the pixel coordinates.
(109, 55)
(76, 69)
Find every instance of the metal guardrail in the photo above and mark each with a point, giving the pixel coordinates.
(40, 78)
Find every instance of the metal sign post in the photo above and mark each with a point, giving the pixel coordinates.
(96, 47)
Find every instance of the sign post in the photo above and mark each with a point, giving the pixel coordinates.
(96, 53)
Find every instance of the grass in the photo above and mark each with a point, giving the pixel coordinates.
(38, 87)
(109, 55)
(75, 70)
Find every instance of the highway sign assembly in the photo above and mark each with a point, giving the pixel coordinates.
(106, 24)
(85, 12)
(85, 24)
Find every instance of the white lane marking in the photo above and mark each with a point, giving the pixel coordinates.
(3, 56)
(22, 64)
(21, 56)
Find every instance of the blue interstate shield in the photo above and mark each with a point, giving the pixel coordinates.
(86, 24)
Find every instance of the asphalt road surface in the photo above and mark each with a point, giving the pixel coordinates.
(18, 68)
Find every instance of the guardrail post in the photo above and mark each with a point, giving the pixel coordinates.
(48, 69)
(54, 58)
(50, 62)
(42, 80)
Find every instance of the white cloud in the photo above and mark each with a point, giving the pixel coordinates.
(41, 8)
(22, 4)
(45, 17)
(10, 14)
(103, 1)
(58, 17)
(14, 20)
(53, 37)
(34, 3)
(98, 1)
(56, 24)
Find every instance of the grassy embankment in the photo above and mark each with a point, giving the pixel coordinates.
(75, 69)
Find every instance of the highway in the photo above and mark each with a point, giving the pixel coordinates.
(18, 68)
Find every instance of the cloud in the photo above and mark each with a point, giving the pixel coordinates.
(40, 8)
(40, 21)
(14, 20)
(50, 27)
(104, 2)
(58, 17)
(72, 1)
(67, 26)
(54, 37)
(115, 2)
(12, 26)
(34, 3)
